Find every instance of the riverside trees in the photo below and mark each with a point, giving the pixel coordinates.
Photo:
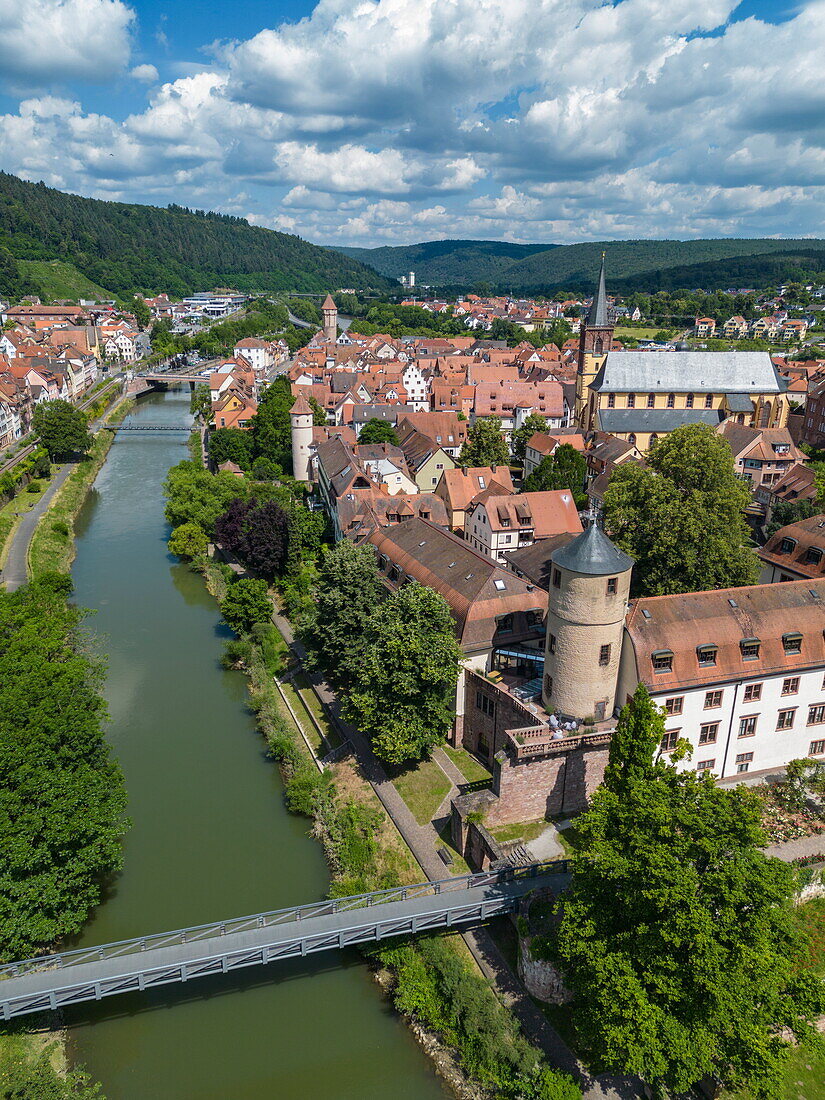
(62, 796)
(678, 934)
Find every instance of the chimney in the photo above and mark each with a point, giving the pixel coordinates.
(494, 468)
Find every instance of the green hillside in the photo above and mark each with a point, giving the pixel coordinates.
(447, 262)
(57, 279)
(636, 265)
(127, 247)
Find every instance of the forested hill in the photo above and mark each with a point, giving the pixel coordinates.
(125, 247)
(447, 262)
(631, 265)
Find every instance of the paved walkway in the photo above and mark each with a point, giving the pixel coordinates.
(793, 849)
(422, 841)
(16, 573)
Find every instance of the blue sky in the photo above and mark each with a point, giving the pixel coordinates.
(390, 121)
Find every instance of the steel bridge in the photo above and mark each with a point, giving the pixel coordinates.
(148, 427)
(89, 974)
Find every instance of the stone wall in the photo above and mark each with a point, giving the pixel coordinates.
(541, 978)
(489, 712)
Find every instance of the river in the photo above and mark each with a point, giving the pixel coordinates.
(210, 837)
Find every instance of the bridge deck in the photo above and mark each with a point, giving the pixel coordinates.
(50, 982)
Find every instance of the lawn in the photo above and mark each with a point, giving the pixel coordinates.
(524, 831)
(470, 768)
(57, 279)
(423, 788)
(811, 917)
(316, 707)
(11, 512)
(636, 333)
(804, 1078)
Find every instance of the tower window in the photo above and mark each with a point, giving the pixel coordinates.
(604, 655)
(557, 578)
(551, 643)
(612, 586)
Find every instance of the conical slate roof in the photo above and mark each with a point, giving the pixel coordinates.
(597, 317)
(592, 553)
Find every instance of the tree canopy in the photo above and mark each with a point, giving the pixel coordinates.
(62, 796)
(231, 445)
(245, 604)
(564, 469)
(535, 422)
(62, 429)
(272, 426)
(485, 445)
(680, 516)
(378, 431)
(678, 934)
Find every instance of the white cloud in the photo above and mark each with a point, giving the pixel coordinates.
(51, 40)
(148, 74)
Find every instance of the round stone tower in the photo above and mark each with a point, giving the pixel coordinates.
(300, 416)
(589, 590)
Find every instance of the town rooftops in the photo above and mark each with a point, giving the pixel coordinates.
(656, 420)
(739, 372)
(592, 553)
(709, 637)
(798, 547)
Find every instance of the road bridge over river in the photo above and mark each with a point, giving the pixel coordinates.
(88, 974)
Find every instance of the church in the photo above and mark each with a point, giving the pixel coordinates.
(641, 395)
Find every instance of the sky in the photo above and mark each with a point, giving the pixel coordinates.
(374, 122)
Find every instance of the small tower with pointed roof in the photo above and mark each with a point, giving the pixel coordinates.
(300, 416)
(595, 341)
(330, 311)
(589, 590)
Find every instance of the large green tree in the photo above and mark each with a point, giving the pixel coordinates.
(678, 934)
(485, 445)
(521, 436)
(378, 431)
(271, 425)
(62, 429)
(245, 604)
(62, 797)
(565, 469)
(347, 593)
(680, 516)
(402, 692)
(231, 445)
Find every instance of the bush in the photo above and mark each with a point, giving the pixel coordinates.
(237, 653)
(34, 486)
(188, 541)
(61, 528)
(246, 603)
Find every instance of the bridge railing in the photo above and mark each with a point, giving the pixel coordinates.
(279, 917)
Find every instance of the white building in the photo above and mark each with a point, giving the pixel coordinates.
(495, 523)
(258, 353)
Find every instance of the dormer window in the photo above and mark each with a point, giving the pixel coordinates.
(706, 655)
(787, 546)
(750, 649)
(662, 660)
(505, 624)
(689, 401)
(813, 556)
(792, 643)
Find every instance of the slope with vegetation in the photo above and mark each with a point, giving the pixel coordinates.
(442, 262)
(128, 248)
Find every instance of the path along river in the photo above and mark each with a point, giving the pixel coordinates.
(210, 836)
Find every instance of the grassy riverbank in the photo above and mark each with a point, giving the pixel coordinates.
(432, 981)
(52, 546)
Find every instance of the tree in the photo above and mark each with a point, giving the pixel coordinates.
(271, 425)
(378, 431)
(791, 511)
(266, 539)
(263, 469)
(634, 743)
(246, 603)
(348, 590)
(141, 313)
(485, 445)
(62, 796)
(230, 528)
(194, 495)
(403, 681)
(521, 436)
(200, 403)
(62, 429)
(231, 445)
(188, 541)
(678, 934)
(680, 517)
(564, 469)
(28, 1074)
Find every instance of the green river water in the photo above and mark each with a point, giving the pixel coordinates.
(210, 836)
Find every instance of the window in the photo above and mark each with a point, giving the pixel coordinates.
(631, 400)
(674, 705)
(651, 400)
(753, 693)
(816, 748)
(713, 699)
(790, 686)
(669, 741)
(505, 624)
(557, 578)
(813, 556)
(551, 643)
(689, 401)
(631, 439)
(787, 546)
(499, 584)
(743, 761)
(705, 765)
(671, 400)
(708, 400)
(750, 649)
(612, 586)
(533, 618)
(792, 643)
(611, 401)
(485, 704)
(548, 686)
(708, 733)
(706, 655)
(784, 720)
(662, 661)
(747, 725)
(816, 714)
(604, 655)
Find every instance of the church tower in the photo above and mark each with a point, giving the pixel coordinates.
(300, 416)
(330, 312)
(595, 341)
(589, 590)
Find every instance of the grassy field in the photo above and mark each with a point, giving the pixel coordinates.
(56, 279)
(423, 788)
(521, 830)
(470, 768)
(636, 333)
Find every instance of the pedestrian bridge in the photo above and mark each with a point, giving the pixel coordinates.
(91, 973)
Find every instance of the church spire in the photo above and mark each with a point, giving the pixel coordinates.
(597, 317)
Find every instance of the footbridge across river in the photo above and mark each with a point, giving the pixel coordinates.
(89, 974)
